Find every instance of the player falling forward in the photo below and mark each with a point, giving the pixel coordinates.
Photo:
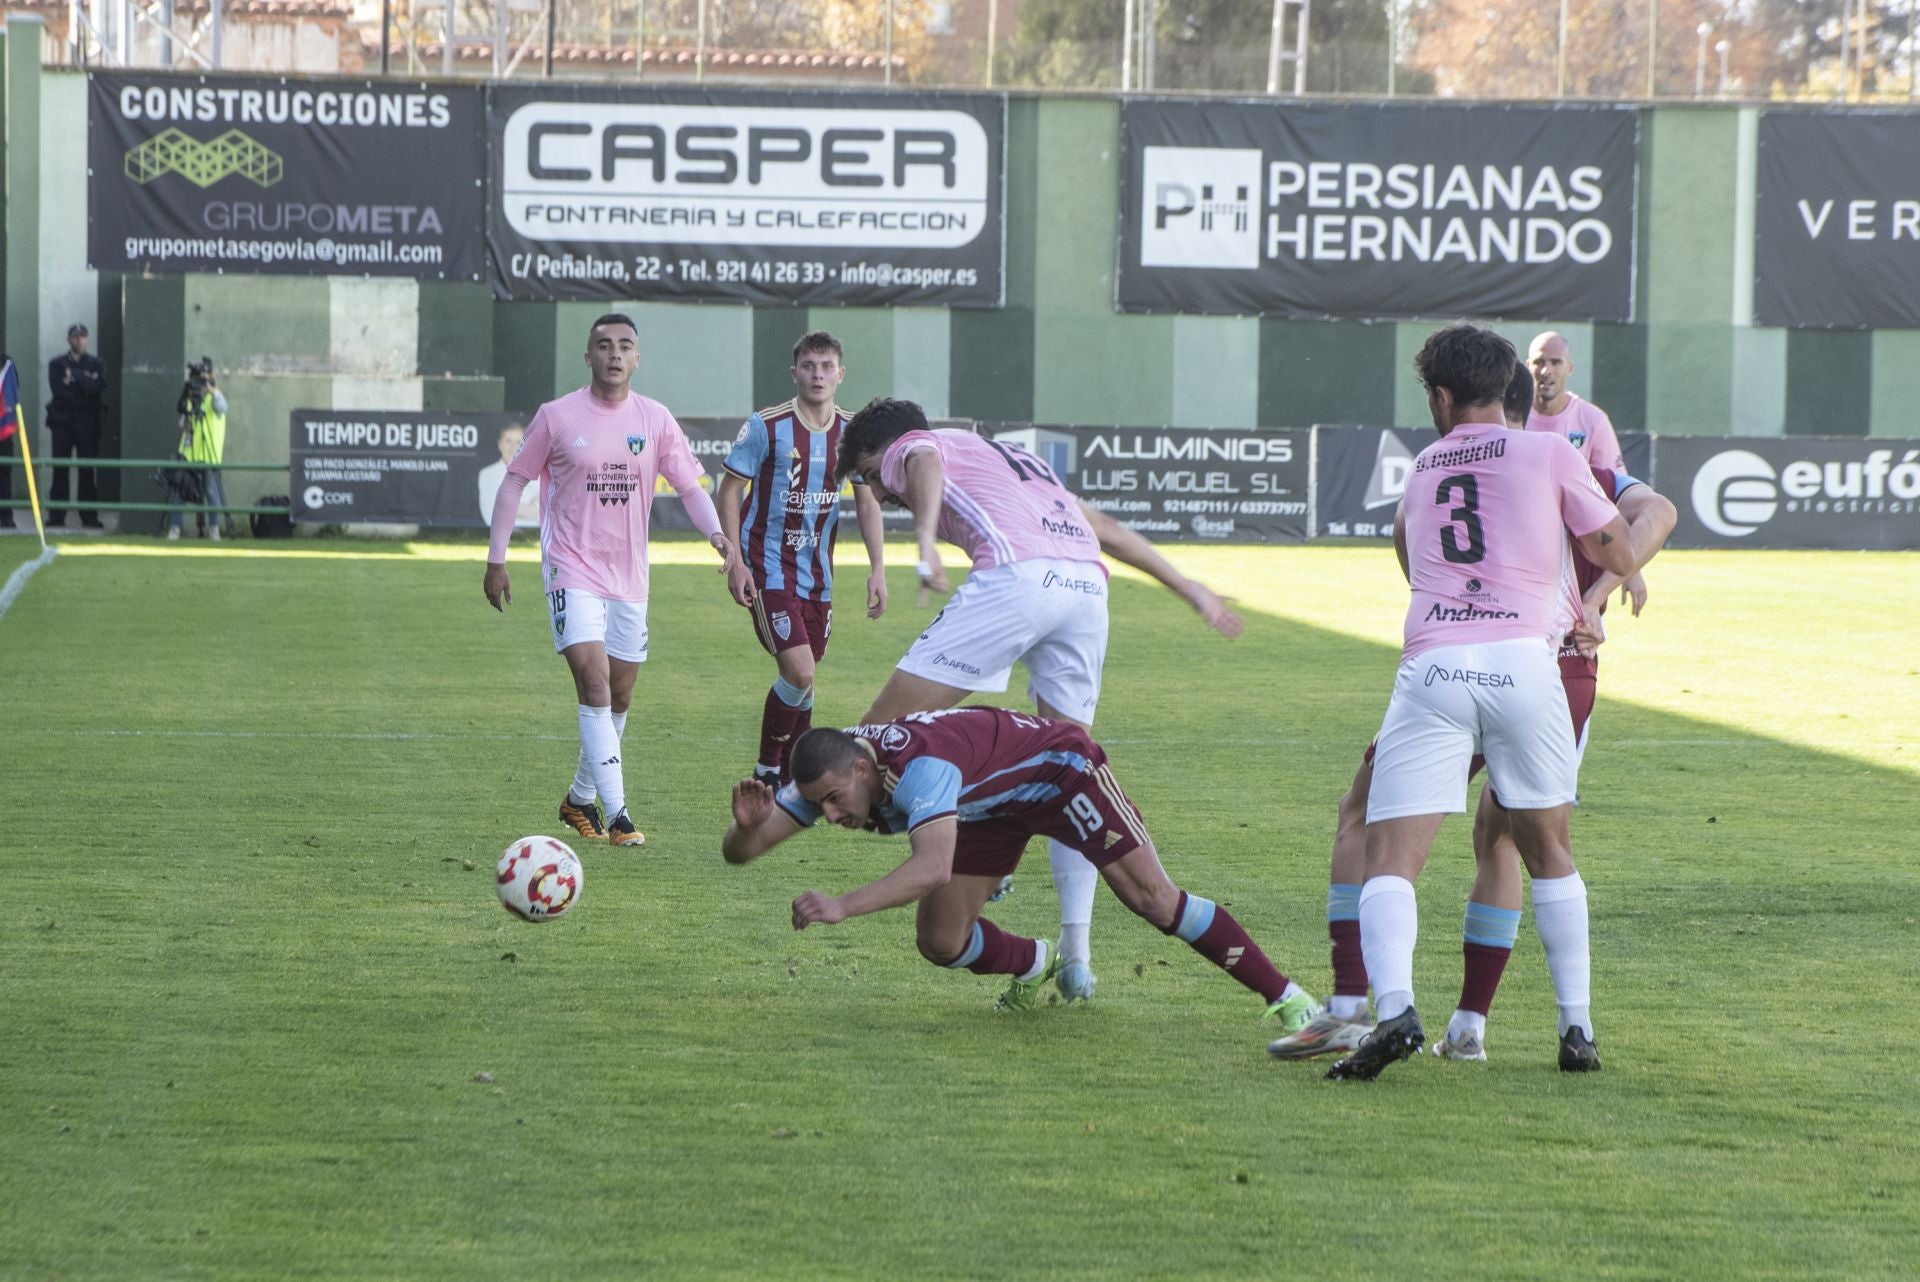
(1486, 518)
(1037, 594)
(597, 453)
(1493, 908)
(970, 787)
(787, 454)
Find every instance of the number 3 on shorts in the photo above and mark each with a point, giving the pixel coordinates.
(1086, 817)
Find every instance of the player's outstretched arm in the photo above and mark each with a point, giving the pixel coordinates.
(927, 869)
(873, 533)
(1650, 520)
(926, 481)
(727, 502)
(1130, 548)
(758, 825)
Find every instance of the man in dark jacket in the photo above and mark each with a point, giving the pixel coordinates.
(76, 404)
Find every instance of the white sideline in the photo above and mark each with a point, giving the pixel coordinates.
(17, 581)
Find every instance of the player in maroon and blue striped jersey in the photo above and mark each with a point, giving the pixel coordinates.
(971, 787)
(783, 465)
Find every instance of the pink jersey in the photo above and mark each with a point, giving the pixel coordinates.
(1000, 504)
(1488, 512)
(597, 465)
(1587, 428)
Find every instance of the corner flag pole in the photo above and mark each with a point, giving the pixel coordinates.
(10, 416)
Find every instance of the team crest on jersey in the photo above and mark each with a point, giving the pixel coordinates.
(782, 625)
(635, 444)
(894, 738)
(1576, 439)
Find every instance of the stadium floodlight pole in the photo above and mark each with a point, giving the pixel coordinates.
(1149, 19)
(1273, 48)
(553, 21)
(1560, 56)
(993, 36)
(1393, 43)
(217, 17)
(499, 36)
(1721, 49)
(886, 74)
(1126, 46)
(639, 38)
(1653, 35)
(446, 40)
(386, 37)
(1704, 30)
(700, 46)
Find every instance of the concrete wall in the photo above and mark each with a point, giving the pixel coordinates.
(1057, 352)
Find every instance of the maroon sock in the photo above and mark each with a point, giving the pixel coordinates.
(1349, 963)
(777, 722)
(1211, 931)
(1485, 965)
(992, 951)
(802, 722)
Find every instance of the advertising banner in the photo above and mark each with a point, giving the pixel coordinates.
(1377, 210)
(1791, 491)
(402, 467)
(1180, 485)
(760, 196)
(1837, 221)
(297, 177)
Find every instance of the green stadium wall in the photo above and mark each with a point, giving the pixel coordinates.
(1057, 352)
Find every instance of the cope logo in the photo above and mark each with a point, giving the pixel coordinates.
(1200, 207)
(315, 498)
(1735, 493)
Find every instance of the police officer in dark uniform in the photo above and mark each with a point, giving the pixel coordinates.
(76, 406)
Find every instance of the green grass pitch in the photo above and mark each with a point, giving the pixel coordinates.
(253, 967)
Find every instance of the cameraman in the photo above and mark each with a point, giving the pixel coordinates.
(203, 439)
(76, 386)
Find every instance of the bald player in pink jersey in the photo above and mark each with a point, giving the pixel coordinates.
(1037, 594)
(1487, 513)
(597, 454)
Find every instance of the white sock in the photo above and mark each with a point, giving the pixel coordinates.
(581, 790)
(601, 748)
(1464, 1022)
(1347, 1008)
(620, 726)
(1560, 915)
(1389, 927)
(1074, 879)
(1039, 963)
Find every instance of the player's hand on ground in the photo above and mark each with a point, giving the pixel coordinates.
(1634, 590)
(876, 594)
(1214, 610)
(814, 907)
(499, 591)
(752, 803)
(740, 582)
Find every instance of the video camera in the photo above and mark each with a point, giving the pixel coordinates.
(199, 379)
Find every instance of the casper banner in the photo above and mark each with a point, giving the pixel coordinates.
(1837, 227)
(401, 467)
(1378, 210)
(306, 177)
(1182, 485)
(757, 196)
(1791, 491)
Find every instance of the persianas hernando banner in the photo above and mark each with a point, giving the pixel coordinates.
(756, 196)
(1375, 211)
(255, 174)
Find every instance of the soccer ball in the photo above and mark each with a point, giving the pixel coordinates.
(538, 878)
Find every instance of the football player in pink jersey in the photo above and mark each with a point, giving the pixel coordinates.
(597, 453)
(1492, 914)
(1483, 538)
(1037, 594)
(971, 787)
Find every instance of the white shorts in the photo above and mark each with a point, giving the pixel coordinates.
(576, 616)
(1502, 699)
(1050, 614)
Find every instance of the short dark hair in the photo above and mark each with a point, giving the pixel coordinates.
(614, 318)
(1519, 399)
(1472, 362)
(821, 752)
(818, 341)
(879, 424)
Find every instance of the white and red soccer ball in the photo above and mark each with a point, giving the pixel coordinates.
(538, 878)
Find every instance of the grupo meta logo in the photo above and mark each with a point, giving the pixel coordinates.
(174, 151)
(1736, 491)
(719, 173)
(1200, 207)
